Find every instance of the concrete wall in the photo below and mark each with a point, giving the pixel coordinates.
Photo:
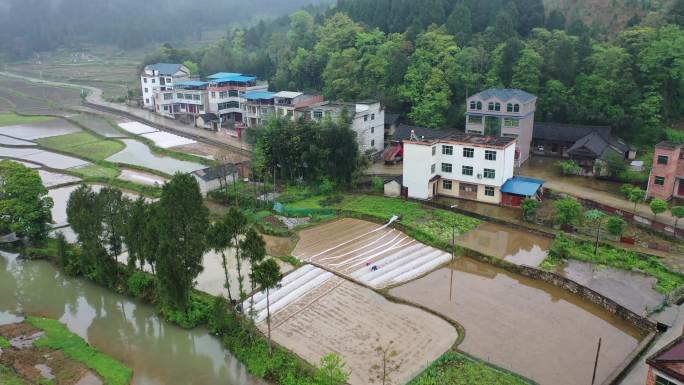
(392, 189)
(369, 125)
(668, 171)
(416, 169)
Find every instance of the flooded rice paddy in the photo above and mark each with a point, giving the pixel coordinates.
(98, 125)
(630, 289)
(137, 128)
(130, 331)
(167, 140)
(376, 255)
(139, 154)
(46, 129)
(43, 157)
(532, 328)
(6, 140)
(319, 312)
(516, 246)
(52, 179)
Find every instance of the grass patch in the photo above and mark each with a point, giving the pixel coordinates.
(4, 343)
(458, 369)
(83, 144)
(96, 171)
(12, 119)
(57, 336)
(9, 377)
(434, 222)
(566, 248)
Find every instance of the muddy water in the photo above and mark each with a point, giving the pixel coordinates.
(630, 289)
(517, 246)
(527, 326)
(158, 353)
(546, 168)
(139, 154)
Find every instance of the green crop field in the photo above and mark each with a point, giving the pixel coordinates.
(83, 144)
(12, 119)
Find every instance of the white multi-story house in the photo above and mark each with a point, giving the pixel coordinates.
(225, 89)
(159, 78)
(257, 107)
(367, 120)
(503, 112)
(286, 102)
(458, 165)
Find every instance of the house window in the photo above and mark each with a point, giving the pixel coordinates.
(474, 119)
(179, 96)
(446, 167)
(168, 96)
(153, 79)
(479, 105)
(467, 170)
(662, 159)
(447, 150)
(490, 155)
(434, 150)
(516, 107)
(472, 105)
(489, 191)
(166, 108)
(372, 116)
(196, 97)
(147, 101)
(432, 169)
(509, 107)
(168, 80)
(511, 122)
(318, 115)
(188, 96)
(659, 180)
(372, 130)
(365, 118)
(223, 94)
(213, 94)
(490, 106)
(446, 184)
(489, 173)
(663, 381)
(372, 143)
(233, 93)
(145, 81)
(145, 90)
(497, 107)
(468, 152)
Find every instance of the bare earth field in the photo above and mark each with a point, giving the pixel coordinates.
(375, 255)
(529, 327)
(341, 316)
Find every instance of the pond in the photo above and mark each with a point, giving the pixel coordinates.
(130, 331)
(139, 154)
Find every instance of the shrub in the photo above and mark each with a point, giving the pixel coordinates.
(140, 284)
(568, 211)
(569, 167)
(658, 206)
(198, 312)
(327, 186)
(331, 200)
(377, 185)
(615, 226)
(529, 208)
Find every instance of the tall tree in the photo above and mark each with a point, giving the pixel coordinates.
(24, 201)
(267, 275)
(183, 221)
(235, 226)
(459, 23)
(254, 250)
(219, 239)
(134, 232)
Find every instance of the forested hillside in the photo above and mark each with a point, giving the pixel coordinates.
(423, 58)
(30, 26)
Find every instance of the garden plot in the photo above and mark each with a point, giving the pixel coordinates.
(166, 140)
(6, 140)
(46, 158)
(46, 129)
(137, 128)
(375, 255)
(315, 313)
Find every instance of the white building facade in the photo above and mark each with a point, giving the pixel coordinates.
(159, 78)
(503, 112)
(460, 165)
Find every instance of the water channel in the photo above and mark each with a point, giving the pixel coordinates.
(159, 353)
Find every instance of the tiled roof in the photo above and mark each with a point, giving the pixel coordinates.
(669, 359)
(165, 68)
(505, 94)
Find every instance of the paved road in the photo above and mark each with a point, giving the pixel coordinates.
(95, 97)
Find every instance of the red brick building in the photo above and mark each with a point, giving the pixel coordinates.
(666, 366)
(665, 181)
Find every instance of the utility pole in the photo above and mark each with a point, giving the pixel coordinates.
(453, 256)
(598, 350)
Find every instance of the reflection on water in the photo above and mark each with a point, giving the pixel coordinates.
(158, 353)
(517, 246)
(527, 326)
(139, 154)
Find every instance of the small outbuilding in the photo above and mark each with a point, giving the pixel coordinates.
(209, 121)
(519, 188)
(211, 178)
(393, 187)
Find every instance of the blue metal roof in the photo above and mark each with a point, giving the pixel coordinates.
(522, 185)
(506, 94)
(165, 68)
(255, 95)
(192, 83)
(235, 78)
(220, 75)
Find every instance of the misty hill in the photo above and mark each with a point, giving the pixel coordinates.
(28, 26)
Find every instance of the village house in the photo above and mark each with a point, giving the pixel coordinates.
(589, 146)
(286, 102)
(667, 172)
(666, 366)
(158, 78)
(225, 91)
(458, 165)
(257, 107)
(212, 178)
(503, 112)
(367, 120)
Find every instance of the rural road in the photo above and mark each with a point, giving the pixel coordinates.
(94, 98)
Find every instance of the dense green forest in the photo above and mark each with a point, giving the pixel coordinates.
(423, 58)
(30, 26)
